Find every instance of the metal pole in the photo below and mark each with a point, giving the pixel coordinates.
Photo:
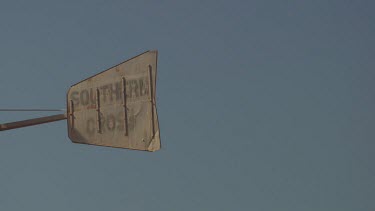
(12, 109)
(31, 122)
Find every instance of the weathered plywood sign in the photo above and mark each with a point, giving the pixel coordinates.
(115, 108)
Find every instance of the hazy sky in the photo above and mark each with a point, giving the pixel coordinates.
(263, 105)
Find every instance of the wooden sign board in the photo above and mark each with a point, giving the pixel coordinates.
(116, 107)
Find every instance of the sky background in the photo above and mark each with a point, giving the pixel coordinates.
(263, 105)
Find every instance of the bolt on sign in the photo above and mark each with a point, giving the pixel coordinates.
(114, 108)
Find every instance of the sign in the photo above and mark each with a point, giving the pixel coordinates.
(117, 107)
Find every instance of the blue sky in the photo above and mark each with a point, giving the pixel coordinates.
(263, 105)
